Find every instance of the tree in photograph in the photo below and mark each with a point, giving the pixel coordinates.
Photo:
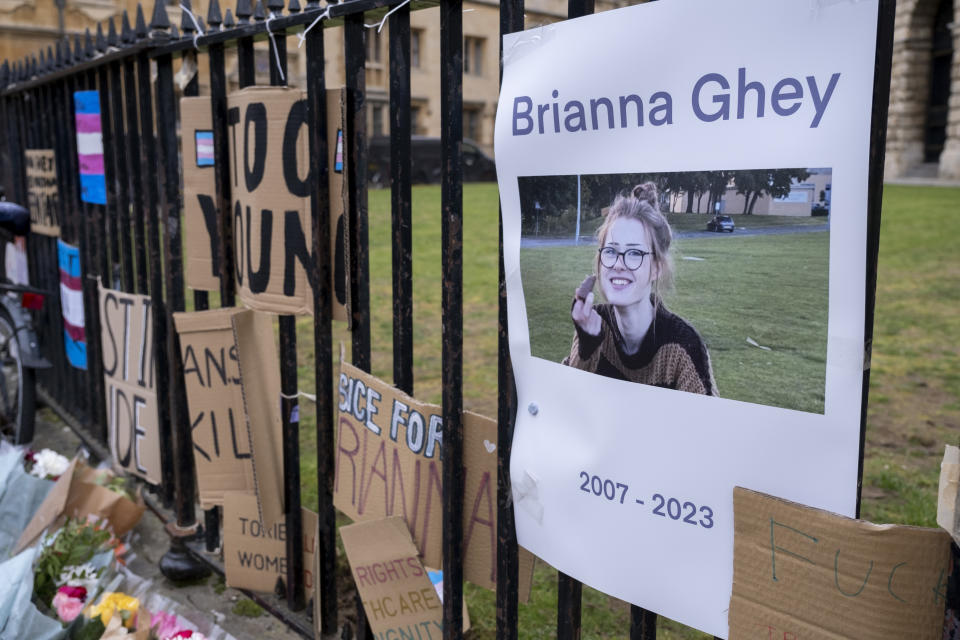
(776, 183)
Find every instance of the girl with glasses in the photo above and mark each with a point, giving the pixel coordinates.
(633, 336)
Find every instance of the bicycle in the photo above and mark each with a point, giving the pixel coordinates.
(20, 355)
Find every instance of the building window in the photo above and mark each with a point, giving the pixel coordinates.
(377, 124)
(415, 48)
(473, 55)
(472, 126)
(373, 45)
(415, 111)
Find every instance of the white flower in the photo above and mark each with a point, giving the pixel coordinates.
(80, 575)
(48, 463)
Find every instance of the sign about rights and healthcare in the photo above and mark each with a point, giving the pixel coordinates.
(665, 350)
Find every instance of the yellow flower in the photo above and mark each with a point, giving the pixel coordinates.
(126, 606)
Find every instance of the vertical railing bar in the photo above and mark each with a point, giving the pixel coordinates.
(401, 199)
(569, 591)
(322, 328)
(173, 258)
(121, 218)
(508, 568)
(356, 177)
(451, 198)
(221, 153)
(108, 212)
(97, 265)
(61, 382)
(148, 163)
(136, 176)
(75, 209)
(290, 401)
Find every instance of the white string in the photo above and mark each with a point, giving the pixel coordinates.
(196, 25)
(379, 26)
(311, 398)
(303, 36)
(276, 53)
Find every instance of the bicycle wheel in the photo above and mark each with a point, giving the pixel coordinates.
(17, 386)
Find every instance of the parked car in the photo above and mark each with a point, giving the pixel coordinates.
(425, 161)
(721, 223)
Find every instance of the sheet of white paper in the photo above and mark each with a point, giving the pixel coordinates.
(648, 441)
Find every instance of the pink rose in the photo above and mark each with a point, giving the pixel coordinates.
(67, 608)
(74, 592)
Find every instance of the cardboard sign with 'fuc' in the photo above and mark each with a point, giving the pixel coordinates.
(800, 572)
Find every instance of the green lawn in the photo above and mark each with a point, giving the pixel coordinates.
(915, 384)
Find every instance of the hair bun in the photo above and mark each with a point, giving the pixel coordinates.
(647, 192)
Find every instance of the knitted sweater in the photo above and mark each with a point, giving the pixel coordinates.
(672, 354)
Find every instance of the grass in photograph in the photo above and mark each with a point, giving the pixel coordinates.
(915, 385)
(768, 288)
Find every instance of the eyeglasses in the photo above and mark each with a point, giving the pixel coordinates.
(632, 258)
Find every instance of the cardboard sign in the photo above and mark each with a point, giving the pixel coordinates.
(397, 594)
(200, 212)
(255, 554)
(71, 305)
(948, 496)
(388, 463)
(271, 200)
(15, 264)
(93, 178)
(339, 199)
(126, 339)
(42, 192)
(806, 573)
(260, 384)
(218, 422)
(76, 494)
(623, 464)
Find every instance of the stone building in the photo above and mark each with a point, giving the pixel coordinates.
(923, 134)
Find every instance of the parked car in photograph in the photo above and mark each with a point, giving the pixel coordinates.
(425, 158)
(721, 223)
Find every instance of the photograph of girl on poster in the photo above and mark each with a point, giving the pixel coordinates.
(633, 336)
(709, 282)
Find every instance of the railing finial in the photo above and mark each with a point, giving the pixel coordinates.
(259, 13)
(214, 19)
(58, 61)
(293, 7)
(244, 11)
(159, 21)
(174, 33)
(4, 74)
(88, 45)
(112, 40)
(101, 42)
(141, 28)
(51, 61)
(186, 24)
(126, 33)
(275, 7)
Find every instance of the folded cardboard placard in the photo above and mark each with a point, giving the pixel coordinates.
(200, 211)
(388, 462)
(126, 341)
(948, 499)
(255, 555)
(76, 494)
(397, 594)
(800, 572)
(42, 193)
(260, 385)
(339, 199)
(218, 422)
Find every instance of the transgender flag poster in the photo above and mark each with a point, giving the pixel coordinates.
(71, 302)
(93, 181)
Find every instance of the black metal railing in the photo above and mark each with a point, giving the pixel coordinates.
(134, 243)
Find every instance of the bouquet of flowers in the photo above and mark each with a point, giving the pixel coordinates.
(63, 574)
(113, 615)
(167, 626)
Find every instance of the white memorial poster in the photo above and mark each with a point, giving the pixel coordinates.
(684, 191)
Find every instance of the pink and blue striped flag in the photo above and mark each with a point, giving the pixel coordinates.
(71, 303)
(93, 180)
(204, 140)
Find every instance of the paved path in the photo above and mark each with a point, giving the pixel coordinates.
(528, 243)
